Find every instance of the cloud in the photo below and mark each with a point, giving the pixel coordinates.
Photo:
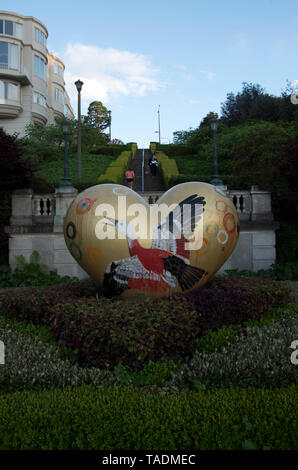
(209, 75)
(107, 72)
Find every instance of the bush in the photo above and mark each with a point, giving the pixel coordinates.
(30, 274)
(32, 364)
(278, 272)
(117, 418)
(32, 304)
(105, 333)
(113, 150)
(259, 357)
(114, 173)
(168, 167)
(227, 301)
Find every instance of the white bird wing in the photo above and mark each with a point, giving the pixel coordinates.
(179, 223)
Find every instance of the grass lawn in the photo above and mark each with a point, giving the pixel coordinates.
(92, 167)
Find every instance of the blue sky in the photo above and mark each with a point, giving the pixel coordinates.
(134, 55)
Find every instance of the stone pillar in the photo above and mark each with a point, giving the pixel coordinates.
(64, 197)
(21, 207)
(261, 205)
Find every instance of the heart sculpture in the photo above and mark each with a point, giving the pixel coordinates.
(132, 248)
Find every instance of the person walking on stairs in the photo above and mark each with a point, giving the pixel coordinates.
(153, 163)
(130, 176)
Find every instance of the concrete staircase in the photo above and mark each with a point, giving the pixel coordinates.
(152, 184)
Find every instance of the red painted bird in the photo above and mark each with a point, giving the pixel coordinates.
(167, 261)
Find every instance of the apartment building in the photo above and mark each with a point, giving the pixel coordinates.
(32, 86)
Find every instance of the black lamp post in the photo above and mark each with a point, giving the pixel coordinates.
(66, 181)
(79, 85)
(216, 180)
(110, 126)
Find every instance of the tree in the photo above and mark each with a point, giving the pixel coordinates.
(98, 116)
(15, 171)
(254, 103)
(206, 120)
(45, 142)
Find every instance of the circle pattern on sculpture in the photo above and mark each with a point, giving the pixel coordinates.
(71, 226)
(84, 205)
(228, 218)
(77, 254)
(95, 255)
(224, 233)
(221, 206)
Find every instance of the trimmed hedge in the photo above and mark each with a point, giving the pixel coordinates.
(258, 357)
(33, 364)
(168, 167)
(227, 301)
(116, 169)
(32, 304)
(128, 419)
(104, 333)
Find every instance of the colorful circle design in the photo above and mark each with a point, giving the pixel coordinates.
(221, 206)
(228, 218)
(71, 226)
(95, 255)
(75, 251)
(84, 205)
(224, 233)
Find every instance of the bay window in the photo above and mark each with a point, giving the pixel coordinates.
(39, 99)
(40, 37)
(10, 28)
(58, 95)
(9, 55)
(40, 67)
(9, 91)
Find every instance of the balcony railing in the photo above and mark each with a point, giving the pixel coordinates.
(40, 209)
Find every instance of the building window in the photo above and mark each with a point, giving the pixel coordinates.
(40, 67)
(11, 28)
(58, 95)
(9, 55)
(40, 37)
(39, 99)
(58, 70)
(9, 91)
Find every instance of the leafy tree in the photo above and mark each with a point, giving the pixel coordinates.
(15, 174)
(254, 103)
(206, 120)
(46, 142)
(98, 116)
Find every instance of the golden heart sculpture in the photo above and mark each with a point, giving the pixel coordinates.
(132, 248)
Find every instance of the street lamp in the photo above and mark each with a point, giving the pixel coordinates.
(158, 132)
(79, 85)
(66, 181)
(216, 180)
(110, 126)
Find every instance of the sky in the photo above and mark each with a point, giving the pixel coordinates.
(181, 57)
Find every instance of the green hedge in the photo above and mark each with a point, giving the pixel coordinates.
(128, 419)
(168, 166)
(114, 173)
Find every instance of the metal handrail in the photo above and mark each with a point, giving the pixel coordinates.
(143, 166)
